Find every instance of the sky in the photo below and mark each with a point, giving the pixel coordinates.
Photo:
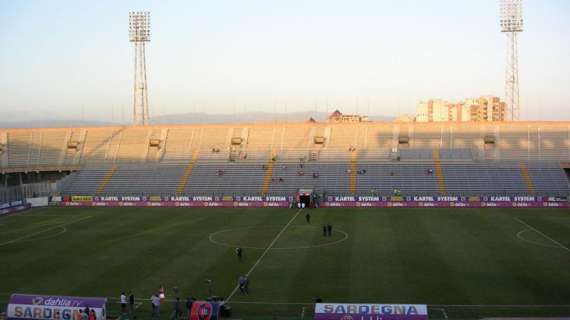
(72, 59)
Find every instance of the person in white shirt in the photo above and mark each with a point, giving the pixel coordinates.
(123, 302)
(155, 301)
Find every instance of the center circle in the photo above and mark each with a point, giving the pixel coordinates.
(295, 237)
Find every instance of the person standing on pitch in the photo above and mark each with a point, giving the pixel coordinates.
(189, 302)
(329, 230)
(177, 311)
(242, 282)
(123, 300)
(308, 218)
(131, 303)
(155, 301)
(324, 230)
(239, 253)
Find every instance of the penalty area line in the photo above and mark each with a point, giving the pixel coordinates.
(42, 231)
(560, 245)
(264, 253)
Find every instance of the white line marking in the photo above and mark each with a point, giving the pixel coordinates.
(49, 236)
(263, 254)
(560, 245)
(520, 237)
(229, 245)
(42, 231)
(442, 311)
(501, 305)
(273, 303)
(116, 300)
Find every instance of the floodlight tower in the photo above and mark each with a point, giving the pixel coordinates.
(139, 33)
(511, 25)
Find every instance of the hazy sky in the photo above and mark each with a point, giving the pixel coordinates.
(72, 59)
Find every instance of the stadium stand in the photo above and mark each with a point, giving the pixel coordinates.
(368, 158)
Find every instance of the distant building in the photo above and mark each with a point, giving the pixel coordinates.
(485, 108)
(338, 117)
(404, 118)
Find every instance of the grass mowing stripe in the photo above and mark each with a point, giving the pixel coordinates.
(560, 245)
(42, 231)
(264, 253)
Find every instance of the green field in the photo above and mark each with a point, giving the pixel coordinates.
(462, 263)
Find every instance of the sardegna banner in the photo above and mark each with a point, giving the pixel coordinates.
(355, 311)
(40, 307)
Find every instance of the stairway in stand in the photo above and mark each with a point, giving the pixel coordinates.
(527, 178)
(106, 179)
(186, 175)
(439, 176)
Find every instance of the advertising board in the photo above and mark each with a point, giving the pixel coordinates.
(355, 311)
(43, 307)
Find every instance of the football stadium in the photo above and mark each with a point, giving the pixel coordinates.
(342, 218)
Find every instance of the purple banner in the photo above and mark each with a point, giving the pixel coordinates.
(41, 307)
(221, 204)
(353, 311)
(183, 198)
(445, 204)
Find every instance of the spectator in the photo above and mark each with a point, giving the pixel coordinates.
(84, 315)
(315, 175)
(300, 173)
(92, 315)
(78, 315)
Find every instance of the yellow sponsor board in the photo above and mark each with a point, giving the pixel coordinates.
(227, 198)
(395, 198)
(81, 198)
(155, 198)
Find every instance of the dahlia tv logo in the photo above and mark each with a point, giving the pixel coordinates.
(354, 311)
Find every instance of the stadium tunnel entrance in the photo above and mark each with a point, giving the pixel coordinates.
(305, 198)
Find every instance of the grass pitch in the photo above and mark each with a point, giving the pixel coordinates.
(461, 262)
